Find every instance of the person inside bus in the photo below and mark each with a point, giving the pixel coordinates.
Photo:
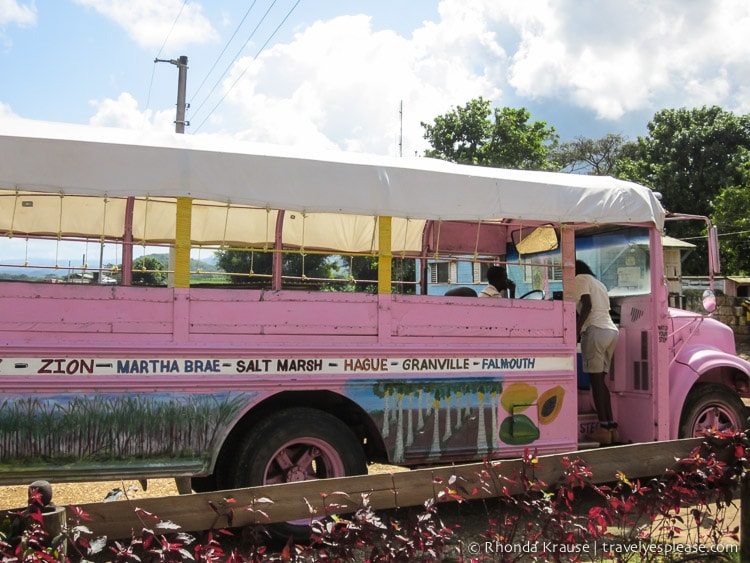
(498, 283)
(461, 292)
(598, 335)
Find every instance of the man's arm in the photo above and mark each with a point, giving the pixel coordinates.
(583, 314)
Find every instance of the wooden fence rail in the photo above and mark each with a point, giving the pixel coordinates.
(307, 499)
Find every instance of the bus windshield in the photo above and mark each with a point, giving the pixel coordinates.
(619, 259)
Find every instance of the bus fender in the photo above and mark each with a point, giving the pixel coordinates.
(696, 364)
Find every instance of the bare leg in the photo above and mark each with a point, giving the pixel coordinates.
(600, 393)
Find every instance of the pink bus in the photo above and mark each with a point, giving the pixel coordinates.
(278, 377)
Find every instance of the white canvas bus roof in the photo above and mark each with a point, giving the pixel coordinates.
(84, 160)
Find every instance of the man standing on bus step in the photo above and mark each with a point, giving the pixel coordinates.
(498, 283)
(598, 336)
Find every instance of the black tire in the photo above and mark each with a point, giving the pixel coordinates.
(204, 484)
(713, 406)
(324, 445)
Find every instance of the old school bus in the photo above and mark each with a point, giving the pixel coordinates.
(277, 377)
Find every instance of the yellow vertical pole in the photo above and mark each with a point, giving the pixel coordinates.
(385, 255)
(182, 242)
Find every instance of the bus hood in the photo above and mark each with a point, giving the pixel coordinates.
(692, 333)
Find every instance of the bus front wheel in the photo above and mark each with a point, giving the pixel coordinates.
(296, 444)
(711, 407)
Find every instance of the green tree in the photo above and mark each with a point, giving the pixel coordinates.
(261, 263)
(627, 165)
(403, 274)
(733, 222)
(149, 270)
(690, 156)
(597, 157)
(503, 138)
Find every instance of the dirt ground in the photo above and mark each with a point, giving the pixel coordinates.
(79, 493)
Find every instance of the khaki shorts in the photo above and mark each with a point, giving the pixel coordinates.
(597, 347)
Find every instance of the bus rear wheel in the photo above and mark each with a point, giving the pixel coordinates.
(711, 407)
(296, 444)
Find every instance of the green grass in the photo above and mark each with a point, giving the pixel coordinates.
(115, 427)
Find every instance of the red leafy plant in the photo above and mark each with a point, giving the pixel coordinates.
(577, 520)
(528, 520)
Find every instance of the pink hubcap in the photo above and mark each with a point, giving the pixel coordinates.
(301, 460)
(713, 418)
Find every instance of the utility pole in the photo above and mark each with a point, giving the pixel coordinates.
(183, 204)
(401, 129)
(181, 64)
(180, 252)
(180, 123)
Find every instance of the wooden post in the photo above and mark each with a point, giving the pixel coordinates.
(745, 507)
(54, 518)
(745, 518)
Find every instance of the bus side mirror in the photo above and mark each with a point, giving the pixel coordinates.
(709, 301)
(713, 249)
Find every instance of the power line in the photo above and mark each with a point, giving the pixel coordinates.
(153, 68)
(171, 29)
(148, 97)
(236, 56)
(226, 46)
(734, 233)
(702, 237)
(289, 13)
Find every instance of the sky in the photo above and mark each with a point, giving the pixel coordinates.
(362, 75)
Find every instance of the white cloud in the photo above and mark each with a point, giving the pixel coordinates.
(617, 57)
(713, 90)
(339, 83)
(11, 11)
(6, 112)
(150, 22)
(123, 112)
